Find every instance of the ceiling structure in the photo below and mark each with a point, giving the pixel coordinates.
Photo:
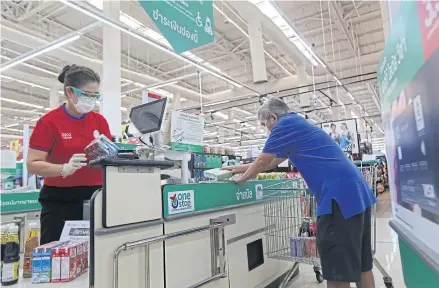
(338, 42)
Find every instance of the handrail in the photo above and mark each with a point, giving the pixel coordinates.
(148, 241)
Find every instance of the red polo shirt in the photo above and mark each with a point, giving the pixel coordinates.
(62, 135)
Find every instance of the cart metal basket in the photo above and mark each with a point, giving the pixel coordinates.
(290, 225)
(290, 216)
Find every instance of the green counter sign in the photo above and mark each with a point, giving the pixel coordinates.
(185, 24)
(187, 198)
(19, 202)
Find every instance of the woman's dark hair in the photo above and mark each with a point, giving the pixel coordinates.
(76, 76)
(333, 125)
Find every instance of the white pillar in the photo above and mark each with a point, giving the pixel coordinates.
(111, 75)
(257, 51)
(385, 15)
(176, 102)
(302, 80)
(361, 127)
(145, 98)
(231, 115)
(336, 115)
(348, 111)
(54, 97)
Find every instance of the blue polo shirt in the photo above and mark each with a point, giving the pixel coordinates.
(328, 172)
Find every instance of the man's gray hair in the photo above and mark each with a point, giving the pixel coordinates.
(273, 106)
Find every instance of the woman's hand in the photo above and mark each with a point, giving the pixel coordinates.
(76, 162)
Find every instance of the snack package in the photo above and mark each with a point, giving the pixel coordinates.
(217, 174)
(100, 147)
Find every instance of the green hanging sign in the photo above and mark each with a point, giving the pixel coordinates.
(185, 24)
(18, 202)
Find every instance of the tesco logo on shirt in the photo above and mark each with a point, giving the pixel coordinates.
(66, 136)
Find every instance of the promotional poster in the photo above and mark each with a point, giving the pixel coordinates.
(408, 85)
(344, 132)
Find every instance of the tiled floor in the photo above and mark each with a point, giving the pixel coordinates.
(387, 253)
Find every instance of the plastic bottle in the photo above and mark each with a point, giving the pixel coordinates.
(31, 243)
(4, 238)
(12, 257)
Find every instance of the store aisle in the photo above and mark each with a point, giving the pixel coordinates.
(387, 253)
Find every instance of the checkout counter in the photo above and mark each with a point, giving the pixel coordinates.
(174, 236)
(149, 232)
(154, 233)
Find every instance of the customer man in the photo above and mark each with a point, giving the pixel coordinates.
(343, 196)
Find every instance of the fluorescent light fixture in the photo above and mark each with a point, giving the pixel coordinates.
(251, 117)
(40, 52)
(216, 103)
(222, 115)
(21, 103)
(269, 10)
(338, 81)
(162, 85)
(12, 129)
(25, 82)
(216, 123)
(243, 111)
(234, 138)
(143, 36)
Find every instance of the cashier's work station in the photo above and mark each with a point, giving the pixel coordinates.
(152, 225)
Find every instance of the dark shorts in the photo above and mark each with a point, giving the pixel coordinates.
(345, 245)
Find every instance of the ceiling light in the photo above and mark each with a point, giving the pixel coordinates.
(143, 37)
(52, 46)
(234, 138)
(11, 129)
(338, 81)
(20, 103)
(222, 115)
(24, 82)
(161, 85)
(215, 123)
(275, 15)
(243, 111)
(216, 103)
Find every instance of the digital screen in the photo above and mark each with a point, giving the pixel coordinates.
(148, 117)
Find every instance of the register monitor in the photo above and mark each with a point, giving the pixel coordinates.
(148, 120)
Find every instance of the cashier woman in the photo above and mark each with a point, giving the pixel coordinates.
(56, 151)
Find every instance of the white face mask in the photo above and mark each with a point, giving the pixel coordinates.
(84, 106)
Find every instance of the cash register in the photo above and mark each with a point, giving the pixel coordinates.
(132, 185)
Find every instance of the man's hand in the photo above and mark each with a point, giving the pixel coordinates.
(239, 180)
(238, 169)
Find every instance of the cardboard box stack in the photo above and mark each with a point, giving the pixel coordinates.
(59, 262)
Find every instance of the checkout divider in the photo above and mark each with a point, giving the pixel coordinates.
(207, 234)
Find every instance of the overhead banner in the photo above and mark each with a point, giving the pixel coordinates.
(408, 85)
(185, 24)
(344, 133)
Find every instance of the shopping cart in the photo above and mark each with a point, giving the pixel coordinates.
(290, 225)
(369, 171)
(290, 218)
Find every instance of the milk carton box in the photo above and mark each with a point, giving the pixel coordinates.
(42, 262)
(64, 263)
